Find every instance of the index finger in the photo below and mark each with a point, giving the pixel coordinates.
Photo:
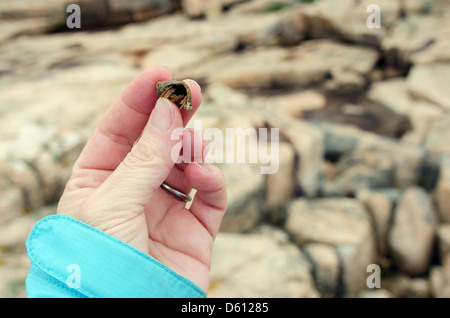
(122, 124)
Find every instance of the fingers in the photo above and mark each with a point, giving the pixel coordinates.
(194, 149)
(210, 201)
(123, 123)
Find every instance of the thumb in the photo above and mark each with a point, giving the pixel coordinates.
(149, 162)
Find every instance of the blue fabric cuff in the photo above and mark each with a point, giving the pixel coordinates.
(72, 259)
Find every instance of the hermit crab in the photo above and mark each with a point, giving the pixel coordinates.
(177, 92)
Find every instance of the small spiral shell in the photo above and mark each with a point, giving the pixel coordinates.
(177, 92)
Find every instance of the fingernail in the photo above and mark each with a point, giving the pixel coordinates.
(162, 115)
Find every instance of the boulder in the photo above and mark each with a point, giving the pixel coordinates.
(325, 268)
(422, 6)
(435, 141)
(14, 233)
(412, 234)
(392, 93)
(307, 142)
(440, 279)
(259, 265)
(293, 104)
(407, 158)
(430, 82)
(245, 190)
(11, 204)
(280, 186)
(380, 204)
(396, 95)
(443, 240)
(419, 38)
(12, 276)
(401, 285)
(196, 9)
(292, 29)
(362, 169)
(341, 223)
(442, 191)
(347, 20)
(377, 293)
(305, 65)
(347, 65)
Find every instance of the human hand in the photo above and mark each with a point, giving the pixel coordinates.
(115, 183)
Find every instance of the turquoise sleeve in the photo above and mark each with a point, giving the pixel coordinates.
(72, 259)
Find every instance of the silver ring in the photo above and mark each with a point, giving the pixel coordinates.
(176, 193)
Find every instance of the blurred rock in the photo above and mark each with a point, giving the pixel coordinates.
(326, 268)
(263, 6)
(211, 9)
(281, 270)
(407, 158)
(296, 67)
(44, 169)
(11, 204)
(12, 278)
(401, 285)
(436, 138)
(293, 104)
(440, 279)
(343, 223)
(419, 38)
(293, 27)
(429, 82)
(396, 95)
(346, 64)
(245, 187)
(49, 16)
(443, 240)
(423, 115)
(194, 8)
(307, 142)
(280, 186)
(377, 293)
(101, 13)
(23, 177)
(347, 20)
(412, 234)
(380, 206)
(362, 169)
(31, 17)
(422, 6)
(392, 93)
(14, 233)
(442, 192)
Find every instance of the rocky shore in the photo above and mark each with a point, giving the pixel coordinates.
(363, 116)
